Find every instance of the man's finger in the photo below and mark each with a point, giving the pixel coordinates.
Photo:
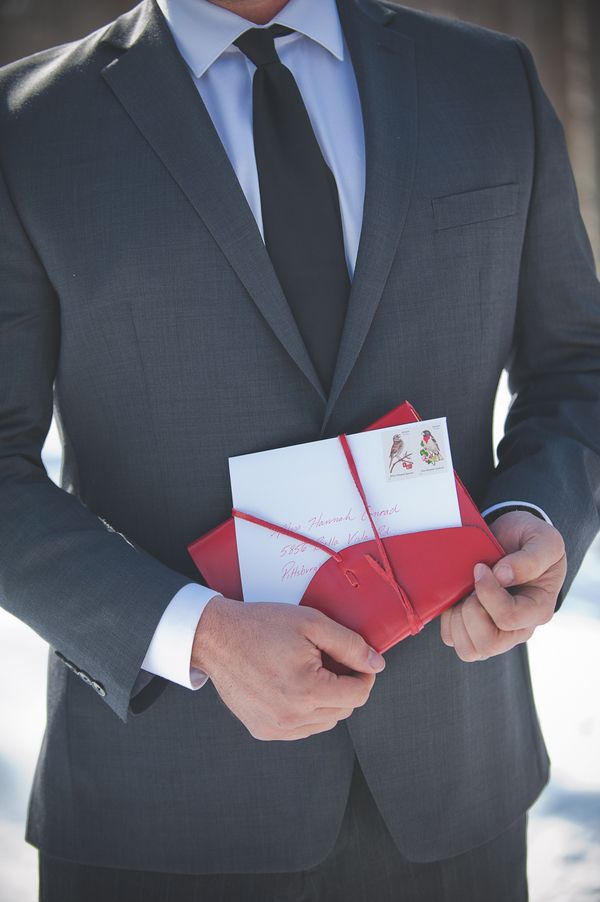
(529, 608)
(335, 691)
(322, 714)
(487, 638)
(445, 628)
(307, 730)
(463, 646)
(539, 552)
(344, 645)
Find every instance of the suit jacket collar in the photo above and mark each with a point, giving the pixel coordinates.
(153, 84)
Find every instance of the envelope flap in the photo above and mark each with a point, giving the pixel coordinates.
(434, 568)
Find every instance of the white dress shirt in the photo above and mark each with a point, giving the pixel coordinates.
(318, 58)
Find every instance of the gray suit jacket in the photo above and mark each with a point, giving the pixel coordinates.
(137, 293)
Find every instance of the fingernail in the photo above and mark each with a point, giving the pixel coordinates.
(504, 574)
(479, 571)
(376, 661)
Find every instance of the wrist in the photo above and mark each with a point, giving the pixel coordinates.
(209, 632)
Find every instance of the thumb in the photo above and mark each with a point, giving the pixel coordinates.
(538, 552)
(344, 645)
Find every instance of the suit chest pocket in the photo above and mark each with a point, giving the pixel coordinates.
(481, 205)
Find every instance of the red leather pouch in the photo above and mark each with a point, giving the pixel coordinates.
(385, 589)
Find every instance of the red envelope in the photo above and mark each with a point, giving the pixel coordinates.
(385, 589)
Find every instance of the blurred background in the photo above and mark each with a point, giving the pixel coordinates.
(564, 856)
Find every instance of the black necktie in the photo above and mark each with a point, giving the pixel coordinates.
(299, 200)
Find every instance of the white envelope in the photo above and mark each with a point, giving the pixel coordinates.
(407, 476)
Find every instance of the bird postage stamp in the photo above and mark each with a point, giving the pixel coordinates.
(412, 450)
(398, 454)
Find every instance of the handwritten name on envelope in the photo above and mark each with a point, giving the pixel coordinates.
(406, 472)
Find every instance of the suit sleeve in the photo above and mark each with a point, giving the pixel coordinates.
(84, 588)
(550, 453)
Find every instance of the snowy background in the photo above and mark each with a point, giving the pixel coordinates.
(564, 834)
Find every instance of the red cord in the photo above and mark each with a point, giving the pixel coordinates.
(288, 532)
(386, 571)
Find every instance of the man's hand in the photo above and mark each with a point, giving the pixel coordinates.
(265, 662)
(519, 594)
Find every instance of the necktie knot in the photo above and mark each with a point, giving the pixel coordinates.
(258, 44)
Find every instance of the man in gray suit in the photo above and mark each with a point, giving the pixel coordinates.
(150, 264)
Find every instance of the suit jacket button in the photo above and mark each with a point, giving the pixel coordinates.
(65, 661)
(99, 688)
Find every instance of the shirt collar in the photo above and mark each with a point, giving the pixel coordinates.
(203, 31)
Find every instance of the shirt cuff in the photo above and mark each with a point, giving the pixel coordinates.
(521, 504)
(170, 651)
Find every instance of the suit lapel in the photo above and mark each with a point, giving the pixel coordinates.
(152, 83)
(384, 65)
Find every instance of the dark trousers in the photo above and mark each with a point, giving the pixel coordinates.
(363, 865)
